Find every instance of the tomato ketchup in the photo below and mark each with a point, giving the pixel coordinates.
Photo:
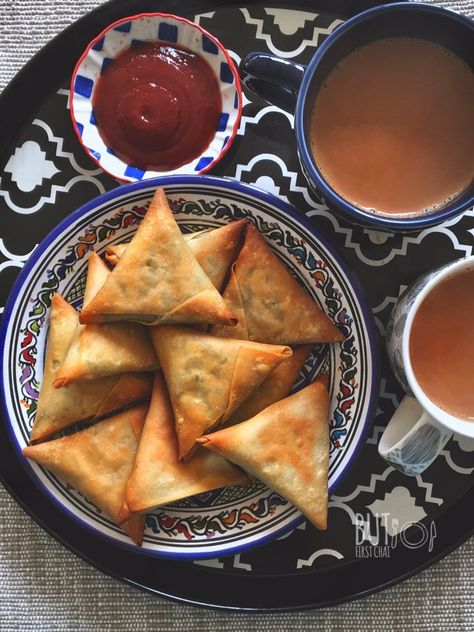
(157, 105)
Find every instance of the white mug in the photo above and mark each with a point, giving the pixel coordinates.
(419, 429)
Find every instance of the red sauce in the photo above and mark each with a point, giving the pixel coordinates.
(157, 105)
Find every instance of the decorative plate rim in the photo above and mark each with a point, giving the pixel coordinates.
(253, 192)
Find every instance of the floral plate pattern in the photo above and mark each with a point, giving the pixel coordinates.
(234, 518)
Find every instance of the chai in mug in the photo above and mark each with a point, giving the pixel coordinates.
(392, 127)
(430, 344)
(441, 345)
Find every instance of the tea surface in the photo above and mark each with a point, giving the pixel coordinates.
(442, 345)
(392, 129)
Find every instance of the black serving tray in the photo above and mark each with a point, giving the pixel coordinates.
(305, 569)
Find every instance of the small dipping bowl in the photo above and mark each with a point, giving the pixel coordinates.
(153, 27)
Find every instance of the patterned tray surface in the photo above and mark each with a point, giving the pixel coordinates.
(48, 175)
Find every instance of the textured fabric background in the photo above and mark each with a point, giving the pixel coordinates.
(45, 587)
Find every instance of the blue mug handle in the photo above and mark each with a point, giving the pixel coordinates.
(274, 79)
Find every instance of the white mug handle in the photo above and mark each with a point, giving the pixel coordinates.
(412, 439)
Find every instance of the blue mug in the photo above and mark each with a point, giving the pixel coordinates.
(294, 87)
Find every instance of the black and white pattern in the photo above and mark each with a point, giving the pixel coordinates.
(48, 175)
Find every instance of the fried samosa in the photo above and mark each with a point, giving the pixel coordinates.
(158, 476)
(209, 377)
(59, 408)
(215, 250)
(287, 447)
(275, 387)
(99, 350)
(98, 462)
(269, 304)
(158, 280)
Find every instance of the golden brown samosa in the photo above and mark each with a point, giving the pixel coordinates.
(59, 408)
(209, 377)
(98, 462)
(275, 387)
(98, 350)
(287, 447)
(269, 304)
(114, 253)
(215, 250)
(158, 279)
(158, 476)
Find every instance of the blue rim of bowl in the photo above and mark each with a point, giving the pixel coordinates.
(203, 31)
(259, 194)
(353, 212)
